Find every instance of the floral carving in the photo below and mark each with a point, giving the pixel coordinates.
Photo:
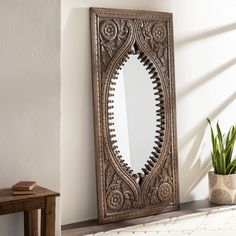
(161, 189)
(155, 36)
(165, 192)
(115, 200)
(159, 32)
(108, 30)
(120, 196)
(129, 199)
(152, 196)
(122, 193)
(112, 34)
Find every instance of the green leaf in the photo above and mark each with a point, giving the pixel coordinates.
(228, 154)
(222, 150)
(213, 139)
(219, 132)
(220, 137)
(213, 161)
(218, 163)
(222, 156)
(231, 168)
(228, 137)
(230, 144)
(232, 136)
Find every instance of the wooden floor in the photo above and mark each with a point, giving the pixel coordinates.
(91, 227)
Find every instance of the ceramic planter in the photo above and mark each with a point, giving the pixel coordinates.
(222, 188)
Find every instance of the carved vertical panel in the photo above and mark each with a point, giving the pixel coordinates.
(123, 194)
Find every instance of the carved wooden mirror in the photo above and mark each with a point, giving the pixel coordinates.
(134, 113)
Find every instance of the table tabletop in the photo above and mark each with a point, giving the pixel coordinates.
(39, 192)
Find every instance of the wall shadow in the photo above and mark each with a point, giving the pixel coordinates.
(201, 167)
(204, 35)
(197, 168)
(203, 124)
(206, 78)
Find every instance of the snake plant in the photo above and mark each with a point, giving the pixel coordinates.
(222, 150)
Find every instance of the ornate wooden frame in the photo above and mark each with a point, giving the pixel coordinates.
(115, 34)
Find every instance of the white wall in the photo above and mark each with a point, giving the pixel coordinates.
(205, 57)
(29, 99)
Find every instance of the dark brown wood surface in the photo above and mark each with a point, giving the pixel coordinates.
(115, 34)
(42, 198)
(6, 195)
(31, 223)
(48, 218)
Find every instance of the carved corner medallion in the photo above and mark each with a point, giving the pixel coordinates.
(115, 34)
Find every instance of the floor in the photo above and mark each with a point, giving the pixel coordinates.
(196, 219)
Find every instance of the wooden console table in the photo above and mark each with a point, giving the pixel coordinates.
(43, 199)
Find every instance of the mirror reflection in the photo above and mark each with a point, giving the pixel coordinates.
(134, 114)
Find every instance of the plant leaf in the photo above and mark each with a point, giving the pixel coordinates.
(218, 163)
(213, 139)
(231, 168)
(222, 150)
(220, 136)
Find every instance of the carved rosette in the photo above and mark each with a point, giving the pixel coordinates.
(115, 35)
(108, 30)
(165, 192)
(161, 189)
(154, 35)
(115, 200)
(119, 195)
(159, 32)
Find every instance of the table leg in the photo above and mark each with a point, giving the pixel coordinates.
(31, 223)
(48, 217)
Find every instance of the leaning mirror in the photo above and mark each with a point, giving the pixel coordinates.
(134, 113)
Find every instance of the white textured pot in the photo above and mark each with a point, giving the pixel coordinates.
(222, 188)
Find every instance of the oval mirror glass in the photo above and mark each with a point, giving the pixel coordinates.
(134, 114)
